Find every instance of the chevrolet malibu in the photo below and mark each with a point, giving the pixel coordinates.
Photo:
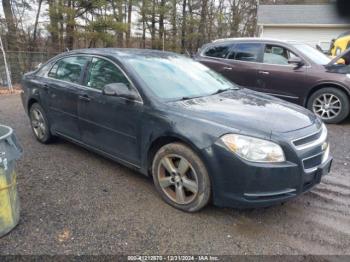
(198, 135)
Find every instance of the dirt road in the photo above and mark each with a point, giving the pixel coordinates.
(76, 202)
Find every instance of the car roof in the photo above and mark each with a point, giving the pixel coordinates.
(122, 52)
(252, 39)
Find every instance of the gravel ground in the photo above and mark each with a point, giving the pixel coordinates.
(76, 202)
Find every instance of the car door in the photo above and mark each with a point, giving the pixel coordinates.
(214, 56)
(279, 78)
(109, 123)
(63, 86)
(242, 64)
(238, 62)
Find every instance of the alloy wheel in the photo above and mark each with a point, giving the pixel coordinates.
(38, 123)
(177, 179)
(327, 106)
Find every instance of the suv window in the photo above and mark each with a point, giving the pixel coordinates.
(246, 52)
(219, 51)
(103, 72)
(69, 69)
(277, 55)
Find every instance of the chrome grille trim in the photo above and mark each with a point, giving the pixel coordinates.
(322, 138)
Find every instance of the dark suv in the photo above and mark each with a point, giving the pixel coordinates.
(292, 71)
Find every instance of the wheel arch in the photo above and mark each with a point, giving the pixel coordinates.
(31, 101)
(325, 85)
(164, 140)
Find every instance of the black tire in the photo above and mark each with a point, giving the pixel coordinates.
(343, 107)
(41, 129)
(196, 173)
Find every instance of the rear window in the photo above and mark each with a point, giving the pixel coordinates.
(219, 51)
(69, 69)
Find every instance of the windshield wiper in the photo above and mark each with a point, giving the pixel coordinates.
(188, 97)
(219, 91)
(215, 93)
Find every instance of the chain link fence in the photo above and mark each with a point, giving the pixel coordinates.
(19, 63)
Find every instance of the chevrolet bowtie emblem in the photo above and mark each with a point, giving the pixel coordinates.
(324, 146)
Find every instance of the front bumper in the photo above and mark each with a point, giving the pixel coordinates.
(242, 184)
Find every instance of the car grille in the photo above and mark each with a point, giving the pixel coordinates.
(311, 140)
(307, 139)
(312, 161)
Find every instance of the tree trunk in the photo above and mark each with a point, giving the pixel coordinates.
(53, 28)
(32, 44)
(191, 27)
(153, 25)
(236, 19)
(173, 25)
(143, 15)
(183, 29)
(202, 24)
(220, 19)
(161, 24)
(128, 32)
(118, 16)
(70, 25)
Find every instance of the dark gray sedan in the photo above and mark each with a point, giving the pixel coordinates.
(201, 137)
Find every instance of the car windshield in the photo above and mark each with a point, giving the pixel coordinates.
(313, 54)
(177, 77)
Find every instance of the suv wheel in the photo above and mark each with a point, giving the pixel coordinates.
(39, 123)
(181, 177)
(330, 104)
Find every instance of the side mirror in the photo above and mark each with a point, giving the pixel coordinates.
(120, 90)
(297, 61)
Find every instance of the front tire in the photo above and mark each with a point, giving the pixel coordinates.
(40, 124)
(181, 178)
(330, 104)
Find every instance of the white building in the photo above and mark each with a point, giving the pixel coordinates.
(312, 24)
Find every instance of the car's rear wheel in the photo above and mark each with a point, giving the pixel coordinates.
(181, 177)
(39, 123)
(330, 104)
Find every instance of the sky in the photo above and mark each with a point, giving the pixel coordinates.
(28, 17)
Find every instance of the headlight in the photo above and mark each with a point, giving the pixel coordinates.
(254, 149)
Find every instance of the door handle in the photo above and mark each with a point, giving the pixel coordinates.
(264, 72)
(85, 98)
(227, 68)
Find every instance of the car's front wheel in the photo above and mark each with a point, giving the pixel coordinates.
(181, 177)
(39, 123)
(330, 104)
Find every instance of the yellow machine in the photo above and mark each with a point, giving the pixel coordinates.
(340, 45)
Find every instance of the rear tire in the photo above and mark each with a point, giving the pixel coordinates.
(181, 178)
(330, 104)
(40, 124)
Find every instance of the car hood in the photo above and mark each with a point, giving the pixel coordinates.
(248, 110)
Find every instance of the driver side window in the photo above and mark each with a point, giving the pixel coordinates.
(103, 72)
(277, 55)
